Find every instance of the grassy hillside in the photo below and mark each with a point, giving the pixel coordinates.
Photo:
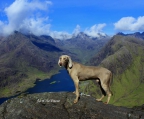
(23, 60)
(124, 56)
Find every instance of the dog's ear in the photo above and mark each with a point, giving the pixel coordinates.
(70, 62)
(59, 62)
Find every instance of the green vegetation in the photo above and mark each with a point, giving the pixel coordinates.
(22, 62)
(127, 87)
(26, 82)
(124, 56)
(5, 91)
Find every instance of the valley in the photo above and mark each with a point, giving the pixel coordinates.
(26, 58)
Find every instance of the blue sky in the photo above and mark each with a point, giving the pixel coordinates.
(62, 18)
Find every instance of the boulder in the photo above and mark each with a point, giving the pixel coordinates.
(60, 106)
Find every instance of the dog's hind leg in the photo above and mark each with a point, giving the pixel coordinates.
(105, 81)
(102, 90)
(108, 92)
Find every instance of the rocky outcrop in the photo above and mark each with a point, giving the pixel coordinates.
(61, 106)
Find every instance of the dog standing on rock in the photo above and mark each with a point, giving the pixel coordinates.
(80, 72)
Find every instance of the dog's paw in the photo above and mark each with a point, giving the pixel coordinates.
(75, 101)
(105, 102)
(98, 100)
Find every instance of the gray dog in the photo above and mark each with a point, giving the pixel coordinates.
(80, 72)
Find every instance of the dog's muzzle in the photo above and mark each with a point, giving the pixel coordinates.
(60, 64)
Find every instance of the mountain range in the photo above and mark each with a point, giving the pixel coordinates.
(136, 34)
(83, 46)
(25, 58)
(22, 60)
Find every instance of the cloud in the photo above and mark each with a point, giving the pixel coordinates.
(35, 26)
(31, 16)
(76, 30)
(60, 35)
(95, 30)
(130, 24)
(23, 15)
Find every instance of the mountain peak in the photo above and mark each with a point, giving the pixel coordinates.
(136, 34)
(84, 35)
(121, 33)
(81, 35)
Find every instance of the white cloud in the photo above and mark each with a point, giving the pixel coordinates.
(60, 35)
(35, 26)
(30, 16)
(77, 30)
(22, 15)
(130, 24)
(95, 30)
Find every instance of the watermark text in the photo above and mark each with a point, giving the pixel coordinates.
(47, 100)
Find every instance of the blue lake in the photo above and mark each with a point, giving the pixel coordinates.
(60, 82)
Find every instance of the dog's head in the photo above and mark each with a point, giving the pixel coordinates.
(65, 60)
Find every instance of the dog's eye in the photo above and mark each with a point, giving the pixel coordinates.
(64, 58)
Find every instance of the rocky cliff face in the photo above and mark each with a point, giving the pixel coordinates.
(60, 106)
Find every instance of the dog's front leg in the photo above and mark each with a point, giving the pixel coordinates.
(76, 83)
